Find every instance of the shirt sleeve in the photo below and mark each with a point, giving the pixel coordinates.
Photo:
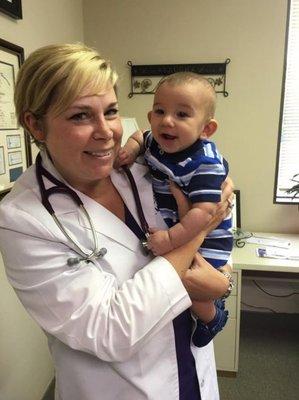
(204, 333)
(205, 184)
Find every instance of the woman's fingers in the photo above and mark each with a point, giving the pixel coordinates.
(227, 199)
(183, 203)
(227, 189)
(204, 282)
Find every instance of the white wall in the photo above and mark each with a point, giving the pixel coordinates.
(251, 34)
(25, 365)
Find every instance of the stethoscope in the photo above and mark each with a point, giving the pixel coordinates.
(62, 188)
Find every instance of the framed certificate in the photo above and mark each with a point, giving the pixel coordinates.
(12, 136)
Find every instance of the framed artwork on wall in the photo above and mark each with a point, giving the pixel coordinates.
(15, 147)
(13, 8)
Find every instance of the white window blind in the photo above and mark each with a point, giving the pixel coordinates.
(287, 163)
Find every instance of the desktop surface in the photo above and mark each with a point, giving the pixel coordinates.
(245, 258)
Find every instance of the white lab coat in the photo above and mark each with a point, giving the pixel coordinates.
(109, 323)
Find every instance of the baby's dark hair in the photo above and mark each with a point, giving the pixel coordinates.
(181, 78)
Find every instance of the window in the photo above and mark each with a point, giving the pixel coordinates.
(287, 163)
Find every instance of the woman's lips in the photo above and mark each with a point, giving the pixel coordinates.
(99, 154)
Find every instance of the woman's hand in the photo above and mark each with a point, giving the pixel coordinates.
(203, 282)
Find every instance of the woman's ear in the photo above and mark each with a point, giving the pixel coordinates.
(149, 116)
(209, 129)
(34, 126)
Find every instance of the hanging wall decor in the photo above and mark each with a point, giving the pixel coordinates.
(15, 148)
(144, 78)
(13, 8)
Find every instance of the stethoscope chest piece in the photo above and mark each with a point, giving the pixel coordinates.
(144, 246)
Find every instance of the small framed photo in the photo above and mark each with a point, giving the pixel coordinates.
(13, 141)
(12, 136)
(13, 8)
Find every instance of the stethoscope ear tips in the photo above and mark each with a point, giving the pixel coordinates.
(73, 261)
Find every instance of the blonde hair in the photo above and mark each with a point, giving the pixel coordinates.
(56, 75)
(181, 78)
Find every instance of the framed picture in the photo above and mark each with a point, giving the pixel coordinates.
(12, 162)
(13, 8)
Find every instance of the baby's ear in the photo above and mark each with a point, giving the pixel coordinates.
(149, 116)
(209, 129)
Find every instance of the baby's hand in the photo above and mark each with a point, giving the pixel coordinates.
(124, 157)
(159, 242)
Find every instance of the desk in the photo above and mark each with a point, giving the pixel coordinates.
(245, 261)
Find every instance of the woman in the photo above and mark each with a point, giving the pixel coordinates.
(108, 316)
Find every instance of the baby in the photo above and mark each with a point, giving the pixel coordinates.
(178, 149)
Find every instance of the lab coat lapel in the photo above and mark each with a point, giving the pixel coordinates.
(141, 177)
(107, 223)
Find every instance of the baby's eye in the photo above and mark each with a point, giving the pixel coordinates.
(159, 111)
(182, 114)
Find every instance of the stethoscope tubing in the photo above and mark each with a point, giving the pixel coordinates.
(142, 219)
(62, 188)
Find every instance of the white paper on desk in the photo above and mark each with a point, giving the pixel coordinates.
(272, 252)
(269, 241)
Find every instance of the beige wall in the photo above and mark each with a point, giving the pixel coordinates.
(251, 34)
(25, 365)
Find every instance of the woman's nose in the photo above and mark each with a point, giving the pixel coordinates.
(102, 130)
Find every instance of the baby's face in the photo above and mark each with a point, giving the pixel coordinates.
(178, 117)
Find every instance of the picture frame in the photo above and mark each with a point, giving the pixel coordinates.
(13, 8)
(13, 138)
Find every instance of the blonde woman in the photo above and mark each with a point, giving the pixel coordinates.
(106, 306)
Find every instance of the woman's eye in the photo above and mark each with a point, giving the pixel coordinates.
(111, 112)
(82, 116)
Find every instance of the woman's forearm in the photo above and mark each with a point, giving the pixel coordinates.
(182, 257)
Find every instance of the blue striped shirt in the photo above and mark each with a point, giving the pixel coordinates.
(199, 171)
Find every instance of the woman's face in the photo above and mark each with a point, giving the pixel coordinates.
(84, 140)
